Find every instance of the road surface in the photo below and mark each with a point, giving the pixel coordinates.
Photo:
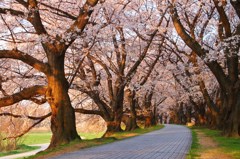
(171, 142)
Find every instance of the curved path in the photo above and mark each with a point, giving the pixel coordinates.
(25, 154)
(171, 142)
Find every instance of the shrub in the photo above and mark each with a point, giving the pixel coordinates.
(8, 144)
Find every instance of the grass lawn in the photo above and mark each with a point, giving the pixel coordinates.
(44, 137)
(40, 138)
(230, 146)
(21, 149)
(76, 145)
(195, 147)
(227, 145)
(37, 138)
(92, 135)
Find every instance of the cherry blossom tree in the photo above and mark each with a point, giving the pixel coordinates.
(211, 31)
(113, 59)
(39, 34)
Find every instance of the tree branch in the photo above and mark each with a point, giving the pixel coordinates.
(26, 116)
(34, 17)
(11, 11)
(18, 55)
(236, 6)
(64, 14)
(109, 78)
(223, 18)
(85, 12)
(22, 2)
(85, 111)
(196, 47)
(25, 94)
(27, 130)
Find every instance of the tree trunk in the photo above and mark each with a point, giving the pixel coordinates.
(147, 123)
(147, 107)
(180, 114)
(112, 127)
(200, 114)
(63, 124)
(213, 109)
(149, 119)
(173, 118)
(201, 120)
(231, 126)
(188, 113)
(133, 103)
(134, 123)
(154, 116)
(127, 120)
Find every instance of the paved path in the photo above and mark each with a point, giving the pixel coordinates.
(25, 154)
(171, 142)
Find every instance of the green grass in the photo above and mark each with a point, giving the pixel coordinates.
(21, 148)
(37, 138)
(45, 137)
(91, 135)
(229, 145)
(76, 145)
(195, 147)
(40, 138)
(136, 132)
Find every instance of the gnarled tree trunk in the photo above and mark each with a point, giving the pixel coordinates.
(63, 117)
(131, 119)
(114, 125)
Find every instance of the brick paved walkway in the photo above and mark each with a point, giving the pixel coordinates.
(171, 142)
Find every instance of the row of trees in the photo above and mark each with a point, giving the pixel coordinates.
(68, 59)
(124, 56)
(211, 31)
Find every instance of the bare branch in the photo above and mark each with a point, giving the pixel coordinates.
(85, 111)
(25, 94)
(196, 47)
(64, 14)
(27, 130)
(26, 116)
(104, 66)
(11, 11)
(78, 26)
(223, 18)
(34, 17)
(22, 2)
(38, 101)
(18, 55)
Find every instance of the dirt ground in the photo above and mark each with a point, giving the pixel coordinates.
(210, 149)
